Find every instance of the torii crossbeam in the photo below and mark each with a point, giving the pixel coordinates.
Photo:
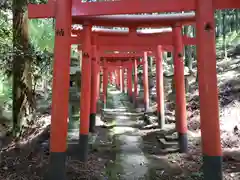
(125, 7)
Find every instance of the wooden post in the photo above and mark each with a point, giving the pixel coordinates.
(101, 83)
(135, 66)
(111, 77)
(85, 94)
(117, 78)
(123, 79)
(105, 85)
(145, 81)
(160, 88)
(129, 81)
(94, 90)
(98, 77)
(180, 108)
(114, 77)
(208, 91)
(60, 96)
(120, 79)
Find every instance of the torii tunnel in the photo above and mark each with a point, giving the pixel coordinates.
(94, 46)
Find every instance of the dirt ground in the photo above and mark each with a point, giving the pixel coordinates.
(29, 161)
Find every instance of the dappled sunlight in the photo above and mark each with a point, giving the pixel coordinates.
(228, 62)
(124, 128)
(120, 109)
(121, 130)
(116, 92)
(227, 76)
(123, 117)
(195, 134)
(115, 114)
(32, 134)
(134, 165)
(230, 125)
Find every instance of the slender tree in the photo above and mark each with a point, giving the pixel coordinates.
(23, 99)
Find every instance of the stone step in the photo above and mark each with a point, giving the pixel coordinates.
(171, 138)
(169, 150)
(170, 121)
(167, 144)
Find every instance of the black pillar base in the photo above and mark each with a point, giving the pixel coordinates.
(57, 167)
(135, 102)
(146, 119)
(212, 167)
(83, 147)
(92, 122)
(183, 142)
(130, 98)
(161, 119)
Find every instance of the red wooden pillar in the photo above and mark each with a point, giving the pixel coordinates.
(129, 81)
(135, 65)
(123, 79)
(160, 88)
(145, 81)
(114, 77)
(101, 83)
(85, 94)
(110, 77)
(208, 91)
(61, 79)
(117, 78)
(120, 79)
(180, 108)
(105, 84)
(98, 77)
(94, 89)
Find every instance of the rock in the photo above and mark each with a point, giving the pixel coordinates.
(231, 155)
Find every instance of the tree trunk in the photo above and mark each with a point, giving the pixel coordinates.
(224, 33)
(218, 23)
(188, 49)
(237, 19)
(23, 99)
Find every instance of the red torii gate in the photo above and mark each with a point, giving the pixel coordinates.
(65, 11)
(181, 117)
(151, 42)
(120, 62)
(125, 7)
(133, 39)
(141, 38)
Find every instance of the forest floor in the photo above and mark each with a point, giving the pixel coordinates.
(110, 156)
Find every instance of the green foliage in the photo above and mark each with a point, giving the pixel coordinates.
(5, 40)
(41, 33)
(232, 39)
(41, 47)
